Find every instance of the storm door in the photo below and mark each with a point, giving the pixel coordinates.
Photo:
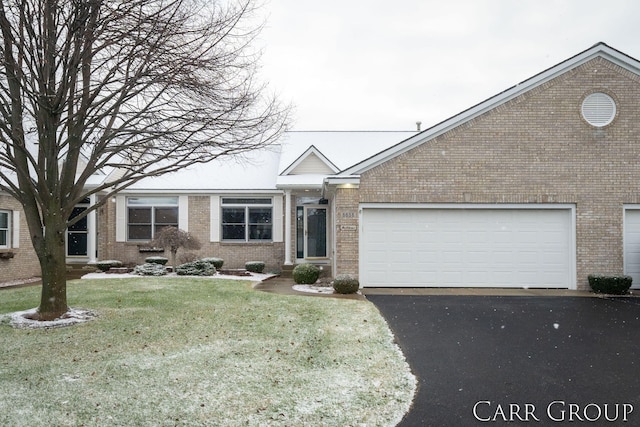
(311, 227)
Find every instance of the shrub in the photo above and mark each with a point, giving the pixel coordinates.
(615, 285)
(217, 262)
(306, 274)
(156, 260)
(254, 266)
(150, 269)
(107, 264)
(196, 268)
(345, 284)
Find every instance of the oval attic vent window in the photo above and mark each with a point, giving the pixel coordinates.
(598, 109)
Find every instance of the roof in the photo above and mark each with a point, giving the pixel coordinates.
(337, 149)
(274, 167)
(342, 148)
(598, 50)
(307, 159)
(255, 171)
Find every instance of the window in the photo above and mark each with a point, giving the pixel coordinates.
(247, 219)
(5, 229)
(146, 216)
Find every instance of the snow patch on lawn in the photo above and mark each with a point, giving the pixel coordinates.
(20, 319)
(317, 289)
(254, 277)
(314, 289)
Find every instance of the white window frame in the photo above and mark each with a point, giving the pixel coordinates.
(152, 203)
(85, 204)
(8, 230)
(238, 203)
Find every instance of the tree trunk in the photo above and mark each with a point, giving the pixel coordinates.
(52, 256)
(174, 254)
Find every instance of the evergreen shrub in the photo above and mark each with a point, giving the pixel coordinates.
(254, 266)
(196, 268)
(149, 269)
(345, 284)
(217, 262)
(105, 265)
(615, 285)
(306, 274)
(156, 260)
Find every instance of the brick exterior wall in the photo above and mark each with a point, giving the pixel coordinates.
(293, 241)
(346, 223)
(24, 263)
(234, 254)
(106, 225)
(536, 148)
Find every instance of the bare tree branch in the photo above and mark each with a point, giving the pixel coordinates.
(137, 87)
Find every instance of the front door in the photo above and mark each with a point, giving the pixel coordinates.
(312, 232)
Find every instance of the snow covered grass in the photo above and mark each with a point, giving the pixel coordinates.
(169, 351)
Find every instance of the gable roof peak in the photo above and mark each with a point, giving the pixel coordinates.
(309, 152)
(599, 49)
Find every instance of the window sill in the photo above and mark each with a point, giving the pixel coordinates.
(244, 242)
(144, 246)
(150, 250)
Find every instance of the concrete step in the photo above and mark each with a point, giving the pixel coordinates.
(287, 271)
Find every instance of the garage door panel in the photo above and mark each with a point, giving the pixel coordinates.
(503, 236)
(377, 237)
(632, 246)
(476, 257)
(400, 236)
(530, 237)
(449, 277)
(552, 258)
(471, 247)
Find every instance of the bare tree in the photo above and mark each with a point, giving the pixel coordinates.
(173, 238)
(127, 88)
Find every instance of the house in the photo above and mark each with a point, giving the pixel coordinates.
(270, 205)
(18, 260)
(536, 186)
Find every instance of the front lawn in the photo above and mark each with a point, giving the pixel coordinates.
(210, 352)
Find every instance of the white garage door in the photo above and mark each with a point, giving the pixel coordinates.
(632, 245)
(485, 247)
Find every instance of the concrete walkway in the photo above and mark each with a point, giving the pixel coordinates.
(283, 285)
(515, 292)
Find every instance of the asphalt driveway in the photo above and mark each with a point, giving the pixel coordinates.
(519, 360)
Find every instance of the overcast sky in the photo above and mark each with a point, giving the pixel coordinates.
(385, 64)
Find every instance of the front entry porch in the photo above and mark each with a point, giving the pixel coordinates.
(308, 238)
